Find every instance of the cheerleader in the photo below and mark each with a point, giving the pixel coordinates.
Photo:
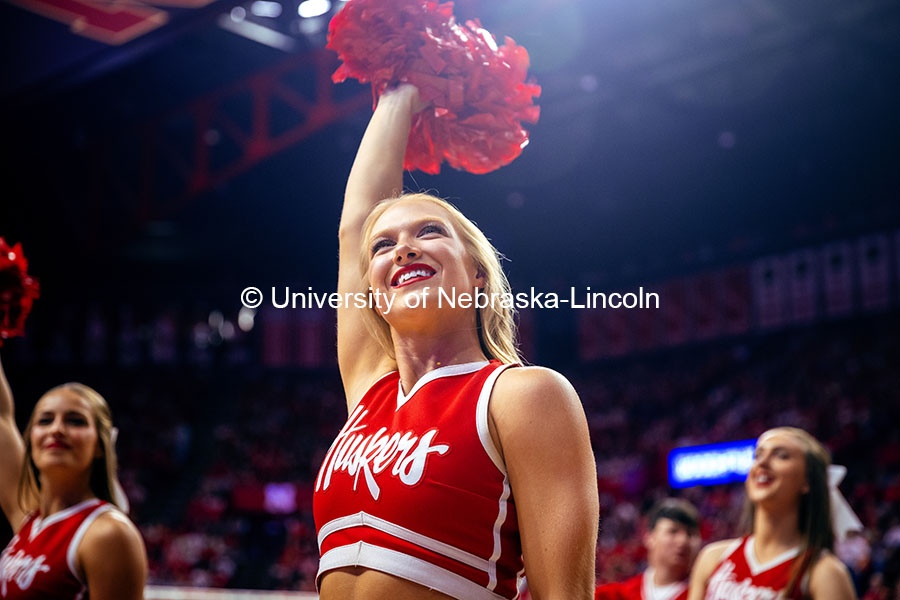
(457, 471)
(58, 490)
(788, 553)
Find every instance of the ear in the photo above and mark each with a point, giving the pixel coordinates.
(480, 277)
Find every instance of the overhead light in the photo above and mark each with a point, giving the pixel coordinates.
(238, 14)
(258, 33)
(313, 8)
(266, 8)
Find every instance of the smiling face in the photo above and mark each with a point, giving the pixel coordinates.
(63, 433)
(414, 249)
(778, 474)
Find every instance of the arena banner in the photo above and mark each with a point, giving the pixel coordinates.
(674, 313)
(736, 309)
(873, 254)
(705, 306)
(803, 277)
(769, 292)
(837, 260)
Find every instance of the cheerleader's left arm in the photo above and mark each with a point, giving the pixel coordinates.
(113, 559)
(544, 441)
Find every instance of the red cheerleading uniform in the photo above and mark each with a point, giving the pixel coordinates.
(641, 587)
(39, 562)
(740, 575)
(413, 486)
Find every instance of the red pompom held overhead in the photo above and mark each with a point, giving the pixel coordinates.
(478, 90)
(18, 290)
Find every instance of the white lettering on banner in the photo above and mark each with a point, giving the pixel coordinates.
(21, 569)
(723, 585)
(354, 453)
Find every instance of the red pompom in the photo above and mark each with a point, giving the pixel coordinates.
(18, 290)
(478, 90)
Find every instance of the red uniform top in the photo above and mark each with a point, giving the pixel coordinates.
(641, 587)
(740, 576)
(413, 486)
(39, 562)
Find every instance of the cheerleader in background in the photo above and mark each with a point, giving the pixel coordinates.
(58, 489)
(789, 551)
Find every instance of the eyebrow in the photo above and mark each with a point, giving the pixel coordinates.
(776, 448)
(68, 413)
(386, 233)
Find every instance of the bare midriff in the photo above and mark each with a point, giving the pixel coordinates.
(359, 583)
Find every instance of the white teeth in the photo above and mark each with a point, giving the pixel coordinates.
(410, 274)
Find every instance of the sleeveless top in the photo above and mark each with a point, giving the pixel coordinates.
(39, 562)
(413, 486)
(740, 575)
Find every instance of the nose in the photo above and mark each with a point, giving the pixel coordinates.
(56, 426)
(405, 254)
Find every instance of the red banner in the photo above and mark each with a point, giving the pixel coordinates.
(873, 261)
(803, 274)
(736, 300)
(837, 262)
(769, 291)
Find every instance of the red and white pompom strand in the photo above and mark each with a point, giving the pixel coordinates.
(18, 290)
(478, 91)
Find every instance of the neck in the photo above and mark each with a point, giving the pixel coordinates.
(665, 575)
(775, 532)
(420, 353)
(59, 494)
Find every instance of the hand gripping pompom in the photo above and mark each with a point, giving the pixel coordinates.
(477, 90)
(18, 291)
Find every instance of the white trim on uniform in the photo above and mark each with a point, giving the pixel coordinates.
(481, 418)
(39, 524)
(448, 371)
(730, 549)
(651, 591)
(756, 567)
(361, 554)
(487, 442)
(362, 519)
(501, 518)
(79, 533)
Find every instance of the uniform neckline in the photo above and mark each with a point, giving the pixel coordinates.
(445, 371)
(40, 523)
(757, 567)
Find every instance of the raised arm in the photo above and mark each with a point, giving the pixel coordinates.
(546, 447)
(12, 449)
(377, 174)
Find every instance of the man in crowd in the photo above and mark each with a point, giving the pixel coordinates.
(672, 541)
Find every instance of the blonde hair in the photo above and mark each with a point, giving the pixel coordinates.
(814, 510)
(104, 481)
(496, 323)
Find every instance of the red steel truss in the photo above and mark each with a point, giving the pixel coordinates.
(160, 166)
